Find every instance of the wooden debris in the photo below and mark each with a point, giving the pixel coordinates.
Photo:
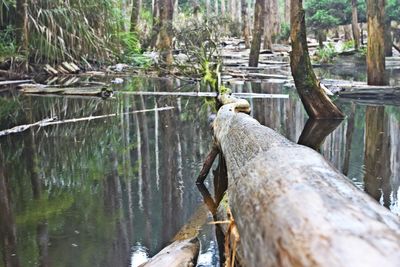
(178, 254)
(53, 121)
(292, 208)
(14, 82)
(203, 94)
(84, 91)
(50, 70)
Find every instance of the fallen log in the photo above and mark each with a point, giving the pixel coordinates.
(292, 208)
(178, 254)
(83, 91)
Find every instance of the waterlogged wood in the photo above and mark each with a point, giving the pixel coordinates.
(84, 91)
(368, 92)
(179, 254)
(292, 208)
(53, 121)
(205, 94)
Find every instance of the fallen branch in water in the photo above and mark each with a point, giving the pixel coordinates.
(21, 128)
(204, 94)
(51, 121)
(14, 82)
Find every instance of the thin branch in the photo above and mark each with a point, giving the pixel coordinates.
(51, 121)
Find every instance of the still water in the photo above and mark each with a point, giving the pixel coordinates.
(115, 190)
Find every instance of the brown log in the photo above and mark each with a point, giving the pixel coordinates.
(292, 208)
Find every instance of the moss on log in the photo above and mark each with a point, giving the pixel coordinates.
(292, 208)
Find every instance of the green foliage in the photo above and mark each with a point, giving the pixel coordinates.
(325, 14)
(326, 54)
(199, 40)
(284, 33)
(348, 45)
(8, 47)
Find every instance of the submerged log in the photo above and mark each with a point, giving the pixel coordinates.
(292, 208)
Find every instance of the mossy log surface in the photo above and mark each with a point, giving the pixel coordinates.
(292, 208)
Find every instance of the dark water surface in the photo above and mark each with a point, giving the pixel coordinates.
(110, 191)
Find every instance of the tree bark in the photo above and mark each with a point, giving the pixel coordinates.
(316, 102)
(287, 11)
(245, 23)
(268, 29)
(223, 7)
(376, 42)
(135, 16)
(165, 35)
(388, 39)
(292, 208)
(257, 32)
(354, 24)
(21, 24)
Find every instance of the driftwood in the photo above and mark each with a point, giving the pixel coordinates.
(84, 91)
(369, 91)
(14, 82)
(178, 254)
(292, 208)
(204, 94)
(54, 121)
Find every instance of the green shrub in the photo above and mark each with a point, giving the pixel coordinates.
(326, 54)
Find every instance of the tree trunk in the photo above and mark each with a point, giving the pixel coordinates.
(388, 39)
(223, 7)
(347, 34)
(165, 36)
(216, 8)
(354, 24)
(316, 102)
(156, 23)
(135, 16)
(287, 11)
(268, 29)
(376, 42)
(292, 208)
(245, 23)
(208, 11)
(257, 31)
(21, 23)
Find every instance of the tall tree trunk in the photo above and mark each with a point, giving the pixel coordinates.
(354, 24)
(245, 23)
(388, 39)
(257, 32)
(135, 16)
(376, 42)
(267, 11)
(223, 7)
(156, 23)
(287, 11)
(208, 9)
(165, 37)
(216, 8)
(316, 102)
(21, 23)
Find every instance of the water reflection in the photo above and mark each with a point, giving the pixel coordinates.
(315, 132)
(377, 155)
(82, 194)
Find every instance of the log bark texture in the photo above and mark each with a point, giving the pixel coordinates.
(292, 208)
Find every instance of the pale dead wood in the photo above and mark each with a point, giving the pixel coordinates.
(53, 121)
(292, 208)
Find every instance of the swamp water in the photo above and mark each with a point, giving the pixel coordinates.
(112, 191)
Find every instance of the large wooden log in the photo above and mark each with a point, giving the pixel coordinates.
(292, 208)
